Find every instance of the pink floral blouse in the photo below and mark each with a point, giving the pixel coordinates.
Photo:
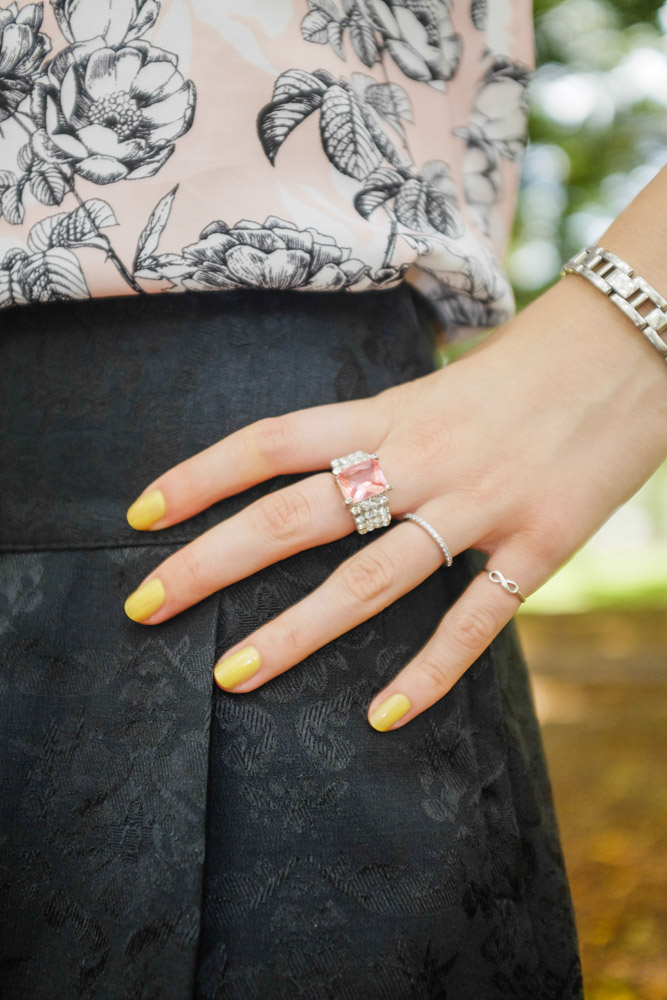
(164, 145)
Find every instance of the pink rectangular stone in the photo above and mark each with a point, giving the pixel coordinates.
(362, 480)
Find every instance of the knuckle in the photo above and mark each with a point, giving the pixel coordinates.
(437, 671)
(272, 438)
(366, 579)
(546, 537)
(472, 628)
(284, 515)
(288, 638)
(190, 569)
(427, 441)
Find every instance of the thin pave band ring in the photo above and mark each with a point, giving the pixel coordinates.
(509, 585)
(432, 532)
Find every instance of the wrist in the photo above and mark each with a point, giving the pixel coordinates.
(587, 342)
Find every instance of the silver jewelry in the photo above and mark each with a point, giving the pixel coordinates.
(625, 289)
(364, 488)
(509, 585)
(432, 532)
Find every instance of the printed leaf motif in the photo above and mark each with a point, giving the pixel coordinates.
(384, 18)
(364, 41)
(53, 274)
(478, 12)
(379, 186)
(391, 103)
(439, 212)
(11, 292)
(11, 206)
(7, 180)
(48, 184)
(314, 27)
(345, 136)
(408, 60)
(296, 83)
(411, 205)
(24, 157)
(74, 229)
(329, 7)
(421, 206)
(295, 96)
(335, 38)
(150, 237)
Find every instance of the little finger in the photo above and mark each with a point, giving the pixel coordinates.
(468, 628)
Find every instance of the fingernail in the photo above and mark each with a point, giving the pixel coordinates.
(237, 668)
(390, 711)
(145, 601)
(145, 511)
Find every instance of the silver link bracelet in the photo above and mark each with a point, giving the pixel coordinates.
(625, 289)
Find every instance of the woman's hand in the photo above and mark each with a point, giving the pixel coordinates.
(522, 449)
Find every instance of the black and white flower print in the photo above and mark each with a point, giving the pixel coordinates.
(47, 269)
(355, 142)
(81, 20)
(418, 34)
(479, 10)
(108, 107)
(111, 113)
(272, 254)
(23, 48)
(497, 129)
(420, 202)
(111, 106)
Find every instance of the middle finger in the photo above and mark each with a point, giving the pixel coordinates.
(363, 585)
(275, 526)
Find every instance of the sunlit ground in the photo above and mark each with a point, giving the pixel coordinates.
(595, 637)
(600, 687)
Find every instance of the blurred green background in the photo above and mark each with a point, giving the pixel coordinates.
(598, 134)
(595, 635)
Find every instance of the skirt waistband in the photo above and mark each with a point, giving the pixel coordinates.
(101, 396)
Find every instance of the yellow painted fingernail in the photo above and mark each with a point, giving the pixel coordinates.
(145, 601)
(145, 511)
(390, 711)
(237, 668)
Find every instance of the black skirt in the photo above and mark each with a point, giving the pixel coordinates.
(164, 839)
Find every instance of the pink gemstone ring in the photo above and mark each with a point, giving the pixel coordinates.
(364, 488)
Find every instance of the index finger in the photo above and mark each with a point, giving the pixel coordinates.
(300, 441)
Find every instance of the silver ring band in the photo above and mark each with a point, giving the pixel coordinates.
(432, 532)
(508, 585)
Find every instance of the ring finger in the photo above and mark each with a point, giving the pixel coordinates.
(359, 588)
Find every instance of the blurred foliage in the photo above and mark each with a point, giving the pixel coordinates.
(597, 127)
(597, 136)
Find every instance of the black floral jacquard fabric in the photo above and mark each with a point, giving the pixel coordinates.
(150, 146)
(162, 839)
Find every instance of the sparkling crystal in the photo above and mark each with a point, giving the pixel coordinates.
(361, 480)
